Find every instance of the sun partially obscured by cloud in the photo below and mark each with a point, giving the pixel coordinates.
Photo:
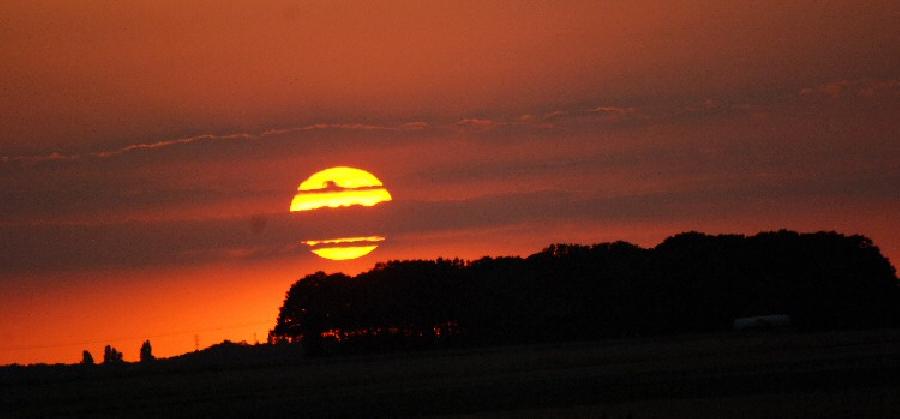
(339, 187)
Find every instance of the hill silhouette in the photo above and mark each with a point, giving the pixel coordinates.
(691, 282)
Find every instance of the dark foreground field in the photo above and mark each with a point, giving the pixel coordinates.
(847, 374)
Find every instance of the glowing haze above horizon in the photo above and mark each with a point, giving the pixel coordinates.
(150, 149)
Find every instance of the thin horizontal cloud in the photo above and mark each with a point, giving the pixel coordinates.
(866, 88)
(103, 154)
(614, 110)
(603, 114)
(415, 125)
(555, 115)
(554, 118)
(169, 143)
(479, 123)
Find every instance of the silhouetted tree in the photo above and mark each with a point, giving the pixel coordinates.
(147, 352)
(111, 355)
(86, 358)
(691, 282)
(311, 306)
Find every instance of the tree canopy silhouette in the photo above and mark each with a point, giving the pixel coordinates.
(111, 356)
(147, 352)
(691, 282)
(87, 358)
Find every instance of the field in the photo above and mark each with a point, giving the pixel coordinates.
(838, 374)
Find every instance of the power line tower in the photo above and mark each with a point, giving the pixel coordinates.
(196, 342)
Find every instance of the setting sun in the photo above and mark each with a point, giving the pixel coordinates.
(340, 186)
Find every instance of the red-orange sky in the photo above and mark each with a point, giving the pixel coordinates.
(149, 150)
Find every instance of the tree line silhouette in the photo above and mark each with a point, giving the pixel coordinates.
(691, 282)
(112, 356)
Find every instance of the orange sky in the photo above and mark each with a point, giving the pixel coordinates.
(150, 150)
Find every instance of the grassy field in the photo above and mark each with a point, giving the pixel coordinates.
(841, 374)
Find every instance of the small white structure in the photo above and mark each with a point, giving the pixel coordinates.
(766, 322)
